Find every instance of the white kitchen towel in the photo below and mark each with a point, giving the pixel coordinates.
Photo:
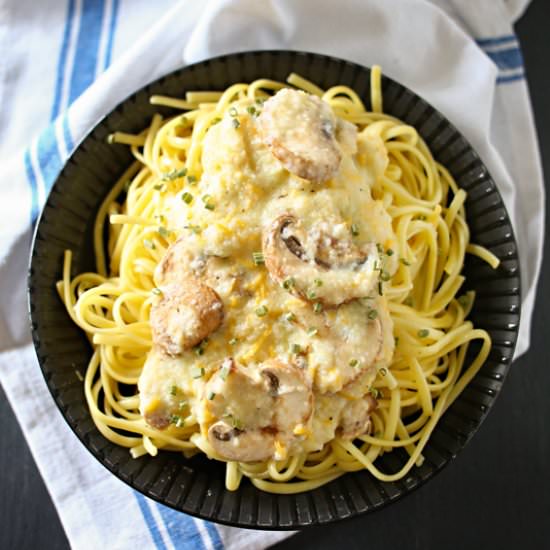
(67, 63)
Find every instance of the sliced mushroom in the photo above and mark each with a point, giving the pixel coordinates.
(252, 411)
(315, 265)
(355, 419)
(243, 446)
(158, 403)
(185, 314)
(300, 130)
(348, 348)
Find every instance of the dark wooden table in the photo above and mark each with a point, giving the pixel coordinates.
(495, 495)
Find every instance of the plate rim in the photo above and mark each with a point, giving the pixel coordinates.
(37, 345)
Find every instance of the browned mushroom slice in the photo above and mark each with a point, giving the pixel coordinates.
(292, 393)
(300, 131)
(317, 266)
(348, 349)
(184, 315)
(243, 445)
(179, 262)
(253, 410)
(158, 403)
(355, 419)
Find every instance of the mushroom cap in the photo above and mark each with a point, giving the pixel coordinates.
(252, 410)
(184, 315)
(315, 265)
(300, 130)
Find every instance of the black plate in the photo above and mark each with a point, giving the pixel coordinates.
(197, 486)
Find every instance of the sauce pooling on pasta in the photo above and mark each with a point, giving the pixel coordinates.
(274, 298)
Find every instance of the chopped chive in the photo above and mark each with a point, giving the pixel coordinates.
(251, 110)
(379, 248)
(258, 258)
(318, 307)
(374, 392)
(211, 396)
(385, 276)
(354, 229)
(311, 294)
(296, 349)
(156, 291)
(312, 331)
(173, 390)
(191, 179)
(149, 244)
(353, 362)
(197, 372)
(389, 252)
(181, 405)
(233, 112)
(423, 333)
(380, 289)
(288, 283)
(177, 420)
(193, 228)
(207, 200)
(199, 349)
(158, 186)
(372, 314)
(174, 174)
(383, 371)
(261, 311)
(163, 232)
(290, 317)
(186, 197)
(235, 123)
(318, 282)
(404, 262)
(233, 341)
(224, 371)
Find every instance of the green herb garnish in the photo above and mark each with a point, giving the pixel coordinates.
(261, 311)
(258, 258)
(186, 197)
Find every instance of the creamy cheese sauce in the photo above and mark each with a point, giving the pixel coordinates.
(319, 311)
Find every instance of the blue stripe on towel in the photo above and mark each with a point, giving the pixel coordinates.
(495, 41)
(33, 185)
(87, 46)
(510, 78)
(150, 521)
(506, 59)
(214, 535)
(181, 528)
(63, 60)
(112, 29)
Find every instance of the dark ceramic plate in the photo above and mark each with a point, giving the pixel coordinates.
(196, 486)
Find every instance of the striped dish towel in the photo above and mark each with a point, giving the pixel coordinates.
(67, 63)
